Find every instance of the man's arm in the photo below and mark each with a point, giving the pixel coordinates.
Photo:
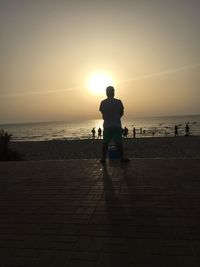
(100, 109)
(121, 112)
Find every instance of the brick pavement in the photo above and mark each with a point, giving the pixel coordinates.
(78, 213)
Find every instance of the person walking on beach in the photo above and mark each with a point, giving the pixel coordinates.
(134, 133)
(176, 130)
(112, 110)
(125, 133)
(93, 133)
(187, 129)
(99, 133)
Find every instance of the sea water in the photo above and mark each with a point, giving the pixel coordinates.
(68, 130)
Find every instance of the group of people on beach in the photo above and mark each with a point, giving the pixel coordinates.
(187, 130)
(94, 133)
(112, 110)
(125, 132)
(99, 132)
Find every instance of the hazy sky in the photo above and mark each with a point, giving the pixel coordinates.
(50, 49)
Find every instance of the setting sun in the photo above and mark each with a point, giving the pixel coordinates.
(98, 83)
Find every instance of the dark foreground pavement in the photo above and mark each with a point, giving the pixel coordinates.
(78, 213)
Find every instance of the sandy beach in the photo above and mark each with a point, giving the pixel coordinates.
(166, 147)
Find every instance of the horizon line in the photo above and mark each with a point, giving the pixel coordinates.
(86, 119)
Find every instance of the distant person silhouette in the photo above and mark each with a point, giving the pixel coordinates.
(187, 129)
(93, 133)
(112, 110)
(134, 132)
(176, 130)
(125, 132)
(99, 133)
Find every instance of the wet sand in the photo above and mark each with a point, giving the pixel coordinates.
(157, 147)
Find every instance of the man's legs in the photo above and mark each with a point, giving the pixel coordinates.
(104, 152)
(120, 149)
(119, 144)
(106, 141)
(116, 135)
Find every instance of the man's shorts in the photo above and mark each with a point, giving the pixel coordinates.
(112, 133)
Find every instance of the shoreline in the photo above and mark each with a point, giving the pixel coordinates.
(138, 136)
(151, 147)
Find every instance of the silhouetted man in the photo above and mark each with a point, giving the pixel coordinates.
(99, 133)
(93, 133)
(125, 133)
(176, 130)
(134, 132)
(187, 129)
(112, 110)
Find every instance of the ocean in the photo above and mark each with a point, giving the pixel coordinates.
(145, 127)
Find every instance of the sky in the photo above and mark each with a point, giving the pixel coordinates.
(50, 51)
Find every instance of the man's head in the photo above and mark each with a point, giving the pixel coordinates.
(110, 91)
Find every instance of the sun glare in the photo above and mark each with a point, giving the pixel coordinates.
(98, 83)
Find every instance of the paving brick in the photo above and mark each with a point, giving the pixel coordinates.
(111, 260)
(79, 213)
(85, 255)
(83, 263)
